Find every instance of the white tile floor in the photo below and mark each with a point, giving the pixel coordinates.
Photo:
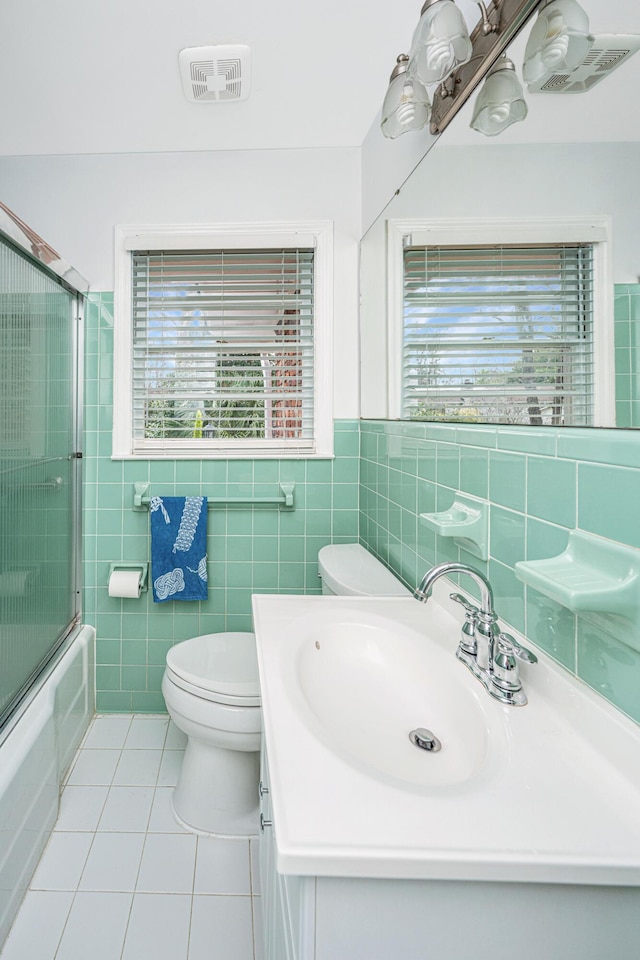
(120, 879)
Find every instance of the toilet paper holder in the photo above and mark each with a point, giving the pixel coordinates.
(142, 568)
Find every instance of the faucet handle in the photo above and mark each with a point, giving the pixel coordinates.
(469, 608)
(509, 645)
(468, 641)
(506, 684)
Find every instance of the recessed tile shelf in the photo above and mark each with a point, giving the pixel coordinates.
(466, 520)
(597, 579)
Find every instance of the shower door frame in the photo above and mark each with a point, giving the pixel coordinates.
(24, 241)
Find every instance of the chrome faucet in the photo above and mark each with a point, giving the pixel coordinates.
(491, 656)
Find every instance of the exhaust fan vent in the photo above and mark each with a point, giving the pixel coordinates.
(608, 52)
(216, 74)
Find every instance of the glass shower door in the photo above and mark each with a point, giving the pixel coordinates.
(39, 517)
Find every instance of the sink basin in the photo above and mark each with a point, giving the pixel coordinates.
(363, 686)
(545, 793)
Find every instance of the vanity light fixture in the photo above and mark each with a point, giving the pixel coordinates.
(559, 41)
(440, 43)
(444, 55)
(501, 21)
(501, 100)
(406, 105)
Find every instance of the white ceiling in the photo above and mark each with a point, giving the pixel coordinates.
(101, 76)
(91, 76)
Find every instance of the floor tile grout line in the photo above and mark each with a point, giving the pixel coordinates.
(127, 925)
(250, 869)
(137, 880)
(107, 716)
(66, 923)
(146, 835)
(253, 928)
(93, 840)
(252, 841)
(155, 789)
(193, 890)
(253, 925)
(108, 788)
(195, 866)
(190, 925)
(140, 716)
(75, 892)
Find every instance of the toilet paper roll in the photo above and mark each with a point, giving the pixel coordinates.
(125, 583)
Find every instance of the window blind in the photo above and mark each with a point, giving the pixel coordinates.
(223, 347)
(498, 334)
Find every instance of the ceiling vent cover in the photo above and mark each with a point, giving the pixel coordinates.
(216, 74)
(608, 52)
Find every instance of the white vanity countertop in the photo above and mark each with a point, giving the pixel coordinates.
(555, 798)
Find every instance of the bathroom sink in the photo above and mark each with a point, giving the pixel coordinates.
(542, 793)
(363, 685)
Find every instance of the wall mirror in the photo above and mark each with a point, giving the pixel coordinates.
(572, 166)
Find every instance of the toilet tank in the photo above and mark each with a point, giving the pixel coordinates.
(348, 569)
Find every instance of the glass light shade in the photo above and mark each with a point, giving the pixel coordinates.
(406, 106)
(500, 102)
(559, 41)
(440, 43)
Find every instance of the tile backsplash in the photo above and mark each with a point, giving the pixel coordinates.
(627, 347)
(540, 483)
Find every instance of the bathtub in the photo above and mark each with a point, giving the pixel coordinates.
(35, 752)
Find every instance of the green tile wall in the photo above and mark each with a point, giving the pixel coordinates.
(250, 550)
(540, 483)
(627, 348)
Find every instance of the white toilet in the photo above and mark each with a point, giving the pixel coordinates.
(348, 569)
(212, 691)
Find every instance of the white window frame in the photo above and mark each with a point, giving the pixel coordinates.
(269, 235)
(595, 230)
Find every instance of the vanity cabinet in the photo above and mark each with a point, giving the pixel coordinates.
(519, 838)
(287, 901)
(362, 918)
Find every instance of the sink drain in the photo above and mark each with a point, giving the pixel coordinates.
(423, 738)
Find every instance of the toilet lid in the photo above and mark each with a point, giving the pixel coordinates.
(222, 663)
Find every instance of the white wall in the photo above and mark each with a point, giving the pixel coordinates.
(386, 164)
(533, 180)
(74, 202)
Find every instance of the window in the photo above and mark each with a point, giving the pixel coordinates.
(222, 342)
(502, 332)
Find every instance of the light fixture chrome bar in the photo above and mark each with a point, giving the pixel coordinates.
(509, 16)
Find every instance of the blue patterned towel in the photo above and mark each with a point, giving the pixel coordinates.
(179, 548)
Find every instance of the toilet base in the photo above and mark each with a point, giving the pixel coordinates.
(242, 829)
(217, 791)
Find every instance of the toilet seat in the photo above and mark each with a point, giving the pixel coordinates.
(220, 667)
